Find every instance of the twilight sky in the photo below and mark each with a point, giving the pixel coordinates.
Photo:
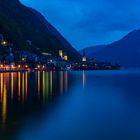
(90, 22)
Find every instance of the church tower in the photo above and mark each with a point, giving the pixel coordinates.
(84, 59)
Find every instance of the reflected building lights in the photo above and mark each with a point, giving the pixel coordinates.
(43, 85)
(19, 85)
(1, 86)
(12, 85)
(84, 79)
(4, 104)
(26, 85)
(38, 83)
(61, 83)
(23, 85)
(66, 80)
(51, 86)
(47, 85)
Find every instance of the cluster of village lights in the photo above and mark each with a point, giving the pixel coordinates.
(13, 67)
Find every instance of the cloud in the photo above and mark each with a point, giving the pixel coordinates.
(90, 22)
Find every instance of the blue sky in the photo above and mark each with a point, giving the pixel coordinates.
(90, 22)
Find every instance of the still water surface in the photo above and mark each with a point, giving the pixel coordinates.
(99, 105)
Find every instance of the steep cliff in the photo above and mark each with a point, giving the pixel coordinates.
(19, 23)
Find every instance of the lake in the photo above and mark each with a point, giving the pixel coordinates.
(84, 105)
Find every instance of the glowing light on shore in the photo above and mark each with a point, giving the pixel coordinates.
(26, 66)
(19, 66)
(38, 66)
(23, 59)
(12, 66)
(1, 65)
(4, 43)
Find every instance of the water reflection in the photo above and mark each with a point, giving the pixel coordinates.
(46, 77)
(12, 85)
(1, 86)
(84, 79)
(66, 80)
(23, 89)
(51, 85)
(26, 85)
(4, 104)
(61, 83)
(19, 85)
(22, 92)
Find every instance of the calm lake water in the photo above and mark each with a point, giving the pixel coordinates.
(98, 105)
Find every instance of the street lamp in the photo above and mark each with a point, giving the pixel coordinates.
(4, 43)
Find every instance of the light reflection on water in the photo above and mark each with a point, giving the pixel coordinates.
(20, 89)
(51, 105)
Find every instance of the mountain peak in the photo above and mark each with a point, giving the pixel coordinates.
(19, 23)
(125, 52)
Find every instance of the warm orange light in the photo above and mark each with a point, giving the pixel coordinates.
(1, 65)
(43, 66)
(38, 66)
(19, 66)
(12, 66)
(26, 66)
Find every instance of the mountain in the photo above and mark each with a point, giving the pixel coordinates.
(125, 52)
(19, 23)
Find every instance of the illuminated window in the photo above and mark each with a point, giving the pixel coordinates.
(65, 57)
(61, 53)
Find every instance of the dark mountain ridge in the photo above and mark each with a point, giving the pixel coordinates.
(19, 23)
(125, 52)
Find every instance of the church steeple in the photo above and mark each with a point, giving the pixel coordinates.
(84, 59)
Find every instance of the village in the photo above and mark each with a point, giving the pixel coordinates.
(27, 60)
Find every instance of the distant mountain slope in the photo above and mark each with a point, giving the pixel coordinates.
(94, 49)
(19, 23)
(125, 52)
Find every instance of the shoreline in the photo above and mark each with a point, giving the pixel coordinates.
(6, 71)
